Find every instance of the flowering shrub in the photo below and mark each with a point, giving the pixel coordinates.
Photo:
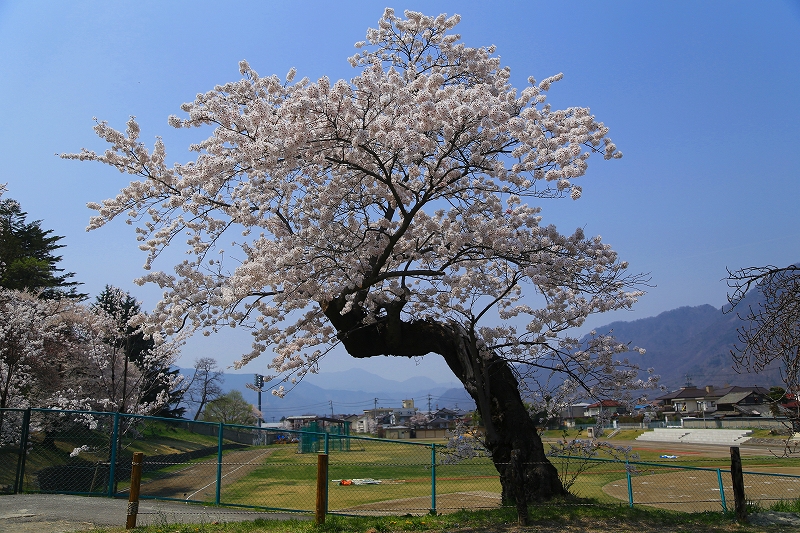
(576, 456)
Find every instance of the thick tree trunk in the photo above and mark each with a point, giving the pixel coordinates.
(486, 377)
(511, 435)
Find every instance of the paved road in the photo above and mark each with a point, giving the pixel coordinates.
(56, 513)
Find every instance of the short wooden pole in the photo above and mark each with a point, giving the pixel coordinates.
(133, 497)
(738, 484)
(322, 488)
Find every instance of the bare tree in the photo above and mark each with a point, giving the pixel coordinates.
(205, 385)
(771, 334)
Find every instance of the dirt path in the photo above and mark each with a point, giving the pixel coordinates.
(198, 481)
(699, 490)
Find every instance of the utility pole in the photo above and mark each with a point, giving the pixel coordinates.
(331, 402)
(258, 381)
(429, 404)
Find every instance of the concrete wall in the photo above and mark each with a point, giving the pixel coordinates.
(754, 422)
(430, 433)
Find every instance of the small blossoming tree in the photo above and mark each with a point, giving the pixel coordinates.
(34, 336)
(392, 214)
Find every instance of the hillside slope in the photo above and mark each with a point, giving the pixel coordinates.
(691, 343)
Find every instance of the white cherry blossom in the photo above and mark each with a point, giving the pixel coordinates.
(395, 213)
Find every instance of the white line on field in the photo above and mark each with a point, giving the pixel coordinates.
(242, 465)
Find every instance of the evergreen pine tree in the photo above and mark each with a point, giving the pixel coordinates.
(27, 260)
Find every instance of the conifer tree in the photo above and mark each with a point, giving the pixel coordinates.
(27, 255)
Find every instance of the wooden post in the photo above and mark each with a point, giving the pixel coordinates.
(322, 488)
(738, 484)
(133, 498)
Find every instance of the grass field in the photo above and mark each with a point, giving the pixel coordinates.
(560, 517)
(287, 480)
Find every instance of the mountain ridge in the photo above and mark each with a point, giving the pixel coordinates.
(692, 344)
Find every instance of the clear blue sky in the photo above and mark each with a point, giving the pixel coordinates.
(701, 97)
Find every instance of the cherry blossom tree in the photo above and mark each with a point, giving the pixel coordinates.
(37, 343)
(419, 419)
(116, 367)
(31, 332)
(5, 227)
(392, 214)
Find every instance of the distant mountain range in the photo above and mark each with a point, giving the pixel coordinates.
(688, 344)
(692, 344)
(350, 392)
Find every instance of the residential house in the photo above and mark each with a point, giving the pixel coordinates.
(575, 410)
(439, 423)
(605, 406)
(385, 416)
(450, 415)
(744, 403)
(572, 412)
(403, 415)
(693, 401)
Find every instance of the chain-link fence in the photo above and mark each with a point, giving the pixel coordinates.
(89, 453)
(703, 485)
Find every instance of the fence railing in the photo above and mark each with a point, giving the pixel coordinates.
(89, 453)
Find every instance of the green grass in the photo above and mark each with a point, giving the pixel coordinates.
(163, 438)
(624, 434)
(561, 516)
(786, 506)
(627, 434)
(287, 480)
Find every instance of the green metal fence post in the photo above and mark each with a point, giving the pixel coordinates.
(327, 475)
(23, 450)
(721, 491)
(221, 430)
(433, 479)
(112, 467)
(630, 486)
